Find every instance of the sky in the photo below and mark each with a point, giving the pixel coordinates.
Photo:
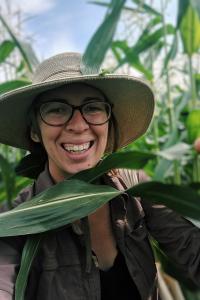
(61, 25)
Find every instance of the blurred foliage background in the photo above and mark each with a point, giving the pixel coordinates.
(134, 38)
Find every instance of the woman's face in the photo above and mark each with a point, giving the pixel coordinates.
(76, 145)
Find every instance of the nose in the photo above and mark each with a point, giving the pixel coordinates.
(77, 122)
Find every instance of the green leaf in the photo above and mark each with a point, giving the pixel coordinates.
(196, 6)
(6, 49)
(183, 101)
(164, 165)
(20, 183)
(193, 125)
(171, 53)
(94, 55)
(182, 8)
(182, 199)
(195, 222)
(146, 41)
(72, 200)
(55, 207)
(17, 43)
(129, 160)
(146, 7)
(29, 252)
(13, 84)
(29, 224)
(150, 25)
(8, 176)
(135, 63)
(190, 31)
(126, 8)
(130, 57)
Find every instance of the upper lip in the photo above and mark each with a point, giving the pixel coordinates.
(76, 143)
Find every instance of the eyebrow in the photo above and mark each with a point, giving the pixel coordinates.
(91, 99)
(85, 100)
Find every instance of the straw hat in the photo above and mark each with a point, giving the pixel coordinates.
(132, 98)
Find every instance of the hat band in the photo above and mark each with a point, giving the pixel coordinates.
(60, 75)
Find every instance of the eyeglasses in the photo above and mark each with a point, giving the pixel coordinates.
(58, 113)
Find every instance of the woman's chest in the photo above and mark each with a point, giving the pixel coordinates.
(103, 241)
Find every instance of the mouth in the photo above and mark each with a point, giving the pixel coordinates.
(77, 148)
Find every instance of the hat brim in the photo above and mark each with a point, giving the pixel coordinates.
(132, 98)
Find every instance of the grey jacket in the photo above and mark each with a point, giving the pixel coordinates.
(59, 270)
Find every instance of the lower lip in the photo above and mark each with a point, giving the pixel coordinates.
(79, 156)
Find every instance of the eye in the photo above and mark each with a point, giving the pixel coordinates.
(54, 108)
(94, 107)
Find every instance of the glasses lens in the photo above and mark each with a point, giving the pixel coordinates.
(96, 113)
(55, 113)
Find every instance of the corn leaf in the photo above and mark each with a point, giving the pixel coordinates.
(29, 252)
(174, 196)
(130, 57)
(146, 8)
(55, 207)
(8, 176)
(129, 160)
(182, 8)
(171, 53)
(196, 6)
(17, 43)
(144, 43)
(94, 54)
(20, 183)
(73, 199)
(6, 48)
(12, 84)
(190, 31)
(193, 125)
(125, 8)
(147, 40)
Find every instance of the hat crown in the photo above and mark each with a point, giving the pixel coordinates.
(58, 67)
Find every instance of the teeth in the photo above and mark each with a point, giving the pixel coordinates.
(76, 148)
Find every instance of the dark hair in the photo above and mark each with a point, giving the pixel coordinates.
(113, 134)
(34, 163)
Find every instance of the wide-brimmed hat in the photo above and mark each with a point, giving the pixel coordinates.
(132, 98)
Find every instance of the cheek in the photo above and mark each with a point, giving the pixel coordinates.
(103, 136)
(48, 135)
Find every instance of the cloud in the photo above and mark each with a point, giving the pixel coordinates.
(33, 7)
(55, 43)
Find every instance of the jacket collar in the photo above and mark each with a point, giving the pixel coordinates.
(44, 181)
(126, 211)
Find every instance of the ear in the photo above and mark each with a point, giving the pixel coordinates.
(34, 136)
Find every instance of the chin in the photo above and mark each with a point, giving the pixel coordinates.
(76, 169)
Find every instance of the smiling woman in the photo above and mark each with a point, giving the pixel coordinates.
(71, 121)
(73, 127)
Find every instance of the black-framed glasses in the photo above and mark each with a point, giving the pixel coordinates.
(58, 113)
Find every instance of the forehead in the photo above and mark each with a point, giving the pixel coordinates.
(74, 93)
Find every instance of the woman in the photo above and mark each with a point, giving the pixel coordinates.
(73, 119)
